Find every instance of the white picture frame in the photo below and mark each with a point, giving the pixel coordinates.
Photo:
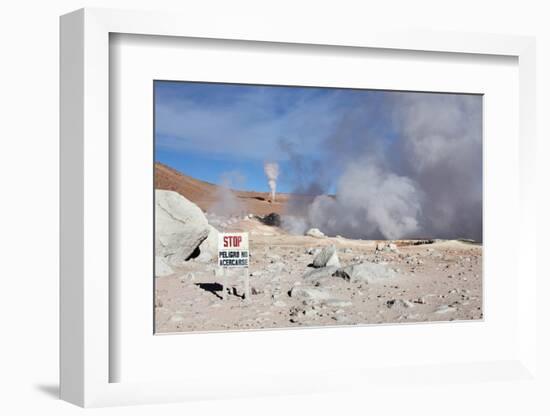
(86, 291)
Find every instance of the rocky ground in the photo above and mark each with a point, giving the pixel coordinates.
(299, 281)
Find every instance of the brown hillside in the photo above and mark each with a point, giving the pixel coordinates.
(204, 193)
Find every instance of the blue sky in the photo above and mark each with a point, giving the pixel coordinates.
(211, 131)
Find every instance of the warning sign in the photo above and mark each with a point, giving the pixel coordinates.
(233, 249)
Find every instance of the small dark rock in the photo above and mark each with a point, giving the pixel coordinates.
(273, 220)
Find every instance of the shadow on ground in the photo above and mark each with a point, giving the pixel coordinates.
(51, 390)
(213, 288)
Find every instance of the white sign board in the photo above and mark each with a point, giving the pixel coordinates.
(233, 250)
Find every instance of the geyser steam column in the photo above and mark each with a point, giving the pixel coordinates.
(271, 170)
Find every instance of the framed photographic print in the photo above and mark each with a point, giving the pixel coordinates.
(310, 203)
(353, 206)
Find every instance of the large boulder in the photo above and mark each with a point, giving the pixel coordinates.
(365, 272)
(209, 247)
(162, 268)
(327, 257)
(180, 227)
(314, 275)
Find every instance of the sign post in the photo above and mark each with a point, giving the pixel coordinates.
(233, 253)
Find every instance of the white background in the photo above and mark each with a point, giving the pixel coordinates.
(138, 60)
(29, 209)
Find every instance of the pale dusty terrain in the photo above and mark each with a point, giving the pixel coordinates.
(431, 282)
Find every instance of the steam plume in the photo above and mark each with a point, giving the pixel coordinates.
(226, 203)
(271, 170)
(425, 181)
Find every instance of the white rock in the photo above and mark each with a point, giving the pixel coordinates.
(399, 303)
(366, 272)
(276, 267)
(313, 251)
(445, 309)
(315, 232)
(310, 293)
(341, 318)
(337, 303)
(180, 227)
(327, 257)
(310, 313)
(333, 261)
(384, 246)
(317, 274)
(161, 267)
(177, 318)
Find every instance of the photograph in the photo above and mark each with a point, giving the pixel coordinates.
(279, 206)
